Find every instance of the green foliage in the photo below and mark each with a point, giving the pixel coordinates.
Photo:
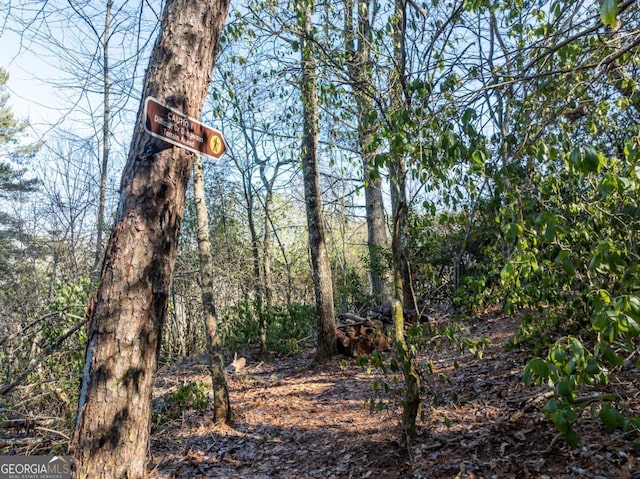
(47, 356)
(389, 390)
(66, 364)
(609, 12)
(289, 329)
(189, 397)
(582, 249)
(570, 367)
(4, 409)
(15, 244)
(12, 181)
(455, 256)
(382, 260)
(350, 291)
(10, 131)
(433, 244)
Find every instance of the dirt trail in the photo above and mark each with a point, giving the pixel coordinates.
(295, 421)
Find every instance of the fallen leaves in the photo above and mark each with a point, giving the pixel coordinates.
(294, 421)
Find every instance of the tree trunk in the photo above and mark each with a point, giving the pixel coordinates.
(398, 166)
(376, 233)
(398, 174)
(221, 407)
(360, 73)
(406, 359)
(401, 278)
(102, 195)
(266, 237)
(323, 287)
(126, 313)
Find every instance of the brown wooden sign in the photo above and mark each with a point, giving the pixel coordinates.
(181, 130)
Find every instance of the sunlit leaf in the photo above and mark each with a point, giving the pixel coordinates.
(609, 12)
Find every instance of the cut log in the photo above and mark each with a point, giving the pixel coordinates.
(349, 318)
(357, 336)
(383, 313)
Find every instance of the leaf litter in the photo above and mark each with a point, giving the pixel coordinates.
(295, 419)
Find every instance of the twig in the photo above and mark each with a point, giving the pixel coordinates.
(7, 388)
(552, 443)
(39, 428)
(22, 331)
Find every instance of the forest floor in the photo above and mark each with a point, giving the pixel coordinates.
(294, 420)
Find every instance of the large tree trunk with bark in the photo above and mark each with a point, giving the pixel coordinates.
(221, 407)
(129, 306)
(323, 287)
(376, 233)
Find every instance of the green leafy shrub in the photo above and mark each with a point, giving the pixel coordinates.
(190, 396)
(455, 256)
(289, 329)
(41, 365)
(239, 325)
(579, 259)
(350, 292)
(68, 362)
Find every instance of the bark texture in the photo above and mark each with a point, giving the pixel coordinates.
(221, 407)
(398, 167)
(403, 292)
(323, 286)
(358, 48)
(126, 313)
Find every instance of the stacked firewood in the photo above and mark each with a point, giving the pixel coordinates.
(358, 336)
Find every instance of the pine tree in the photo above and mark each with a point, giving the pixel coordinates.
(14, 242)
(11, 178)
(111, 438)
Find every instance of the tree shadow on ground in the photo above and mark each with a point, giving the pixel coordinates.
(480, 421)
(294, 423)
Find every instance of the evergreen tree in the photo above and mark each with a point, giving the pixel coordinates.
(11, 179)
(127, 310)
